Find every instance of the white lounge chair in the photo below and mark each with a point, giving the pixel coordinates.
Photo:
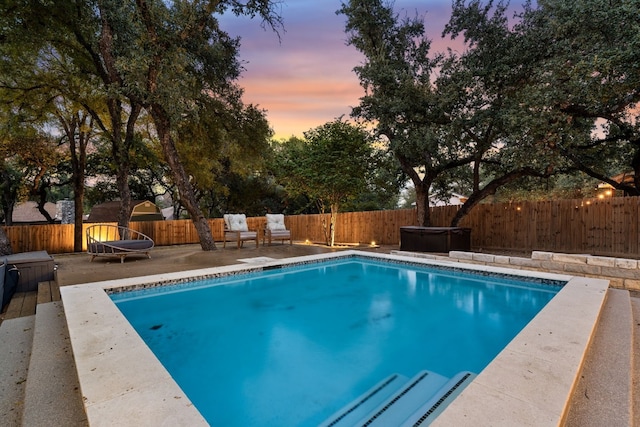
(236, 230)
(276, 229)
(116, 241)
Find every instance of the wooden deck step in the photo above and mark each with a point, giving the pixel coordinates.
(22, 304)
(48, 291)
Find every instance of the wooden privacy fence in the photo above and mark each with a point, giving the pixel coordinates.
(383, 227)
(352, 227)
(600, 227)
(607, 227)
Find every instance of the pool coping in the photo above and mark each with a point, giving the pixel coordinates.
(528, 383)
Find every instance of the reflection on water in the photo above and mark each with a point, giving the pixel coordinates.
(410, 277)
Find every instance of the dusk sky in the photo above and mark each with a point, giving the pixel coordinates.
(306, 79)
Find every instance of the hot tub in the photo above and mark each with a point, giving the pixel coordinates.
(435, 239)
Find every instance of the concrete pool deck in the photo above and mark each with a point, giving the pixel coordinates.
(76, 269)
(546, 356)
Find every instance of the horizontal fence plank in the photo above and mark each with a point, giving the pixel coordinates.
(607, 227)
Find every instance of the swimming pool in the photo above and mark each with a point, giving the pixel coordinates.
(118, 373)
(289, 347)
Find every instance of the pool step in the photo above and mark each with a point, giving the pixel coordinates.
(365, 403)
(424, 415)
(398, 401)
(404, 403)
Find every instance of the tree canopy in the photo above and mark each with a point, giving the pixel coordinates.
(170, 60)
(540, 93)
(330, 166)
(146, 92)
(400, 97)
(587, 81)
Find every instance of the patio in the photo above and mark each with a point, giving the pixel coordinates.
(606, 362)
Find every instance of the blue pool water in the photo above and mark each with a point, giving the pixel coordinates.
(289, 347)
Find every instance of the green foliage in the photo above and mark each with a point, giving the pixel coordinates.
(557, 187)
(9, 188)
(548, 92)
(333, 165)
(116, 58)
(222, 140)
(254, 195)
(543, 94)
(30, 158)
(330, 165)
(400, 97)
(147, 179)
(384, 181)
(586, 82)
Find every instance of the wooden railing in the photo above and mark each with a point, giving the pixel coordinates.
(600, 227)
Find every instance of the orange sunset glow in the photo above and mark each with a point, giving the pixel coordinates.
(305, 78)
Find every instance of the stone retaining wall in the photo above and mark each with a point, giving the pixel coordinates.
(622, 273)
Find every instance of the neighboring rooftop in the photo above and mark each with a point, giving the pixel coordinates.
(139, 210)
(28, 213)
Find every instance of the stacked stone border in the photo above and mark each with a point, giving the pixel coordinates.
(622, 273)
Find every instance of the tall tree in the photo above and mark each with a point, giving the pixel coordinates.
(400, 97)
(483, 118)
(59, 47)
(188, 62)
(28, 158)
(100, 30)
(78, 131)
(483, 89)
(565, 71)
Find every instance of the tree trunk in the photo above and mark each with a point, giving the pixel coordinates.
(78, 199)
(122, 182)
(422, 205)
(41, 192)
(79, 166)
(332, 224)
(8, 196)
(78, 218)
(326, 231)
(180, 177)
(8, 213)
(489, 190)
(78, 141)
(5, 244)
(422, 187)
(635, 165)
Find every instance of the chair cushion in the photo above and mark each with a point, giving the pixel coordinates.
(275, 222)
(248, 235)
(120, 246)
(280, 234)
(236, 222)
